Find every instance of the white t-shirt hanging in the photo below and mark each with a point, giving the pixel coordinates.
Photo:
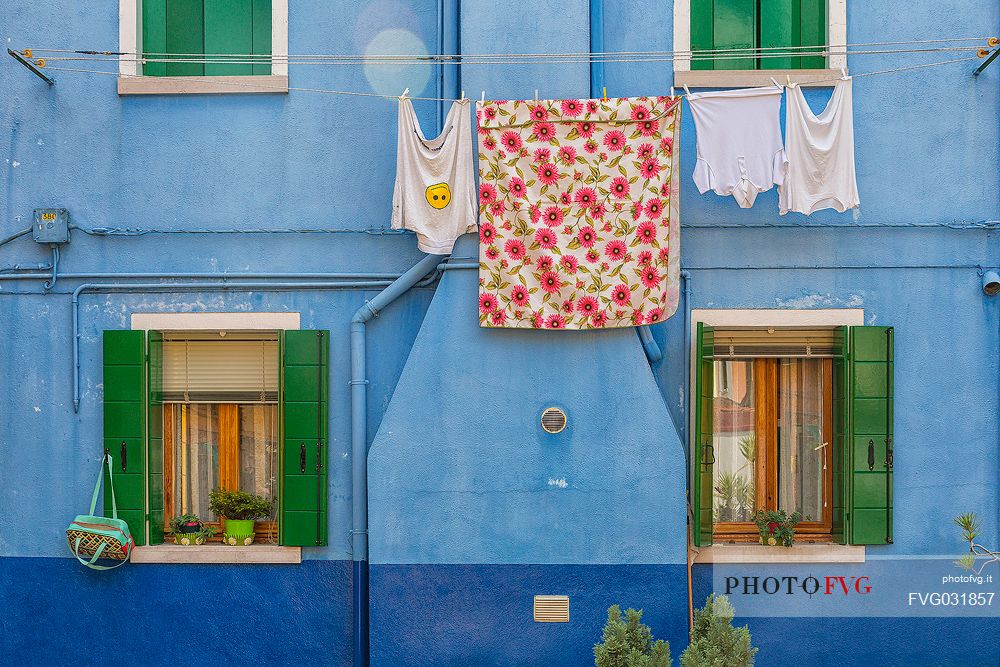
(820, 152)
(739, 142)
(435, 192)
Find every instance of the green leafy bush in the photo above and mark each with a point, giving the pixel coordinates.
(714, 640)
(629, 643)
(239, 505)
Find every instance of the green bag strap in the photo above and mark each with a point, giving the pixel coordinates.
(97, 554)
(97, 488)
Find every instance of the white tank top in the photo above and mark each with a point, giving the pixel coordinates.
(435, 192)
(820, 151)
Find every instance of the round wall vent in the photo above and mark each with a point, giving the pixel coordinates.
(553, 420)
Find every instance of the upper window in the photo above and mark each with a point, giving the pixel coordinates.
(772, 26)
(775, 36)
(206, 37)
(203, 46)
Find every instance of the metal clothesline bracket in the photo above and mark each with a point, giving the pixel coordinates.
(33, 66)
(993, 56)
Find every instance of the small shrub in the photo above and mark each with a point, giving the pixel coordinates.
(629, 643)
(239, 505)
(714, 640)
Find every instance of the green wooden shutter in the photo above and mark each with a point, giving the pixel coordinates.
(185, 36)
(154, 35)
(262, 36)
(229, 30)
(785, 23)
(841, 424)
(779, 27)
(302, 518)
(812, 31)
(125, 425)
(154, 440)
(703, 449)
(870, 392)
(723, 24)
(702, 29)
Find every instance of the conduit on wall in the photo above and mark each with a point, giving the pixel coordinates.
(359, 442)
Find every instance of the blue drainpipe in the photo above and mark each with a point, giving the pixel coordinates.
(359, 443)
(596, 46)
(653, 353)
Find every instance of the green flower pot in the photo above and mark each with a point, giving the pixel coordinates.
(238, 533)
(188, 539)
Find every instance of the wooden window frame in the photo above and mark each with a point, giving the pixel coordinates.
(766, 396)
(228, 474)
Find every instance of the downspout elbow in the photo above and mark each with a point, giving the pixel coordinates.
(649, 346)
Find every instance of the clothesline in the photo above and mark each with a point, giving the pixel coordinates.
(265, 60)
(468, 57)
(326, 91)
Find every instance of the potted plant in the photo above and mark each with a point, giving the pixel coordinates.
(189, 530)
(776, 528)
(239, 509)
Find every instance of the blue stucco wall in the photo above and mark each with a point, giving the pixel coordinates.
(928, 142)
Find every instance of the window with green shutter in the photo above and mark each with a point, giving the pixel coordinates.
(793, 419)
(778, 25)
(179, 35)
(186, 412)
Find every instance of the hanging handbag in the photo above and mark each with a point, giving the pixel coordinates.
(98, 536)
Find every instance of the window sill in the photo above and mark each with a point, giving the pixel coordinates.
(202, 85)
(217, 553)
(750, 78)
(799, 553)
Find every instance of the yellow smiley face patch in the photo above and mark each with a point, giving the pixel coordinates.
(438, 195)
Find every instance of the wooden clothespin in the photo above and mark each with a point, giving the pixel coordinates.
(687, 91)
(843, 73)
(671, 91)
(775, 82)
(482, 99)
(788, 80)
(462, 98)
(536, 94)
(604, 97)
(405, 93)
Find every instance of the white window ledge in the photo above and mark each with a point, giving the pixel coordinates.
(217, 553)
(202, 85)
(748, 78)
(798, 553)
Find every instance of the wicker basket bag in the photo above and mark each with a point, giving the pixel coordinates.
(97, 536)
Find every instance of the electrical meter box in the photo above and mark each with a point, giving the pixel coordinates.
(51, 225)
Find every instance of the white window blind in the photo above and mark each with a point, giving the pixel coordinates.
(783, 342)
(209, 368)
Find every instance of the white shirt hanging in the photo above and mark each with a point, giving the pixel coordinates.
(740, 152)
(435, 192)
(820, 152)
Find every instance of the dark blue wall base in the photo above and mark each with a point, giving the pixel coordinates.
(481, 615)
(863, 641)
(56, 612)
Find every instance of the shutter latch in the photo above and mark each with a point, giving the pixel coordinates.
(302, 457)
(871, 454)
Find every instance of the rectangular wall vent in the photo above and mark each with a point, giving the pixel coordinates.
(551, 609)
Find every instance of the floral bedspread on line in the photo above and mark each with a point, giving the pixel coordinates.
(578, 213)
